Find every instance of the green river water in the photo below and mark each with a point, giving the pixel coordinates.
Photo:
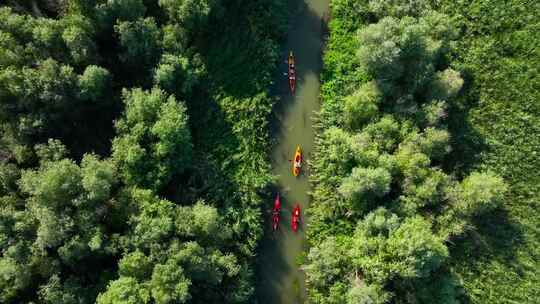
(279, 278)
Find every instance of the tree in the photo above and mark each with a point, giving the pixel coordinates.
(69, 207)
(480, 192)
(428, 192)
(399, 8)
(14, 278)
(433, 113)
(135, 264)
(47, 39)
(446, 84)
(385, 133)
(326, 263)
(191, 14)
(154, 142)
(175, 39)
(140, 41)
(361, 107)
(95, 84)
(415, 249)
(385, 246)
(79, 37)
(434, 143)
(361, 293)
(402, 54)
(98, 177)
(125, 290)
(176, 74)
(365, 184)
(339, 155)
(169, 285)
(114, 11)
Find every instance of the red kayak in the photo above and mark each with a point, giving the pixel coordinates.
(292, 73)
(275, 213)
(295, 218)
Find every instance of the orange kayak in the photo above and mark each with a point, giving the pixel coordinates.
(297, 162)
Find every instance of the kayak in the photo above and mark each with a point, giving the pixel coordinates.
(297, 162)
(275, 213)
(295, 220)
(291, 73)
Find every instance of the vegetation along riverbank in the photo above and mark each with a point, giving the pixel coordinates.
(134, 148)
(423, 183)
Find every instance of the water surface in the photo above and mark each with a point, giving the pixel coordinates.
(279, 279)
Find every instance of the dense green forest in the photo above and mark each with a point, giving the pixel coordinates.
(425, 179)
(133, 149)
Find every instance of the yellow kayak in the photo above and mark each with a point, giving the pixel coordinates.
(297, 162)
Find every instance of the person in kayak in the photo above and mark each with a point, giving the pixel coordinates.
(295, 221)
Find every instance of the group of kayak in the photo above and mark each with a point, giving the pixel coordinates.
(297, 161)
(276, 212)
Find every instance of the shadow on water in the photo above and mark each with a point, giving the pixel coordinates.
(279, 278)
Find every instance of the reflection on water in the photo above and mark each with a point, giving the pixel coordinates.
(279, 279)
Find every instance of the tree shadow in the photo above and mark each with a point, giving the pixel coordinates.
(467, 143)
(494, 236)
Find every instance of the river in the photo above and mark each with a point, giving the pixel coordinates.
(279, 279)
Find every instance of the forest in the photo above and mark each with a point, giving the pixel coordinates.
(425, 179)
(133, 149)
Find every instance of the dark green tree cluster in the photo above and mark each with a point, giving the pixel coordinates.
(384, 211)
(131, 165)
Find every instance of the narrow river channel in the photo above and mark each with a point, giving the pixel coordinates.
(279, 279)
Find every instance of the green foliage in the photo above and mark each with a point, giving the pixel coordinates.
(394, 156)
(94, 84)
(361, 107)
(367, 294)
(79, 36)
(399, 8)
(446, 84)
(402, 55)
(326, 263)
(178, 74)
(177, 267)
(113, 11)
(154, 142)
(125, 290)
(141, 43)
(499, 51)
(13, 278)
(384, 248)
(169, 285)
(135, 264)
(480, 192)
(62, 227)
(365, 184)
(191, 14)
(71, 227)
